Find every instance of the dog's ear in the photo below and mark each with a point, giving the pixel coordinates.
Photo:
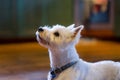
(78, 29)
(71, 26)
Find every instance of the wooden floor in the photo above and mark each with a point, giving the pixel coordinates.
(29, 61)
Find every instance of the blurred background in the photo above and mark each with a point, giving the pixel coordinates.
(22, 58)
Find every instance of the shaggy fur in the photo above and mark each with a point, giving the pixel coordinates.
(61, 42)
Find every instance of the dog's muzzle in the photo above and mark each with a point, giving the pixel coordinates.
(39, 38)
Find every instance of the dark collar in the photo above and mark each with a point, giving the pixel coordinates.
(59, 70)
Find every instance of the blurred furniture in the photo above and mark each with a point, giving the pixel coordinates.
(98, 16)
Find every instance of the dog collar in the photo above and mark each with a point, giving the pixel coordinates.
(59, 70)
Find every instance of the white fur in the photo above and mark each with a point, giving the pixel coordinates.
(62, 51)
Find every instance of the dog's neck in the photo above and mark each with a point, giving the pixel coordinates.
(61, 57)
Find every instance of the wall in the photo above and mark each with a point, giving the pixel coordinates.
(117, 18)
(21, 18)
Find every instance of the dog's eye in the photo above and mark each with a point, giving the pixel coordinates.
(56, 34)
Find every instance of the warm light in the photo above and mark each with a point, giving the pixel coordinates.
(100, 2)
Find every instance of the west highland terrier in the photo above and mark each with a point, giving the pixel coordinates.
(64, 60)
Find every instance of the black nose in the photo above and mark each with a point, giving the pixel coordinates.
(40, 30)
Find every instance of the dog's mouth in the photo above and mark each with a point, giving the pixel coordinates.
(43, 41)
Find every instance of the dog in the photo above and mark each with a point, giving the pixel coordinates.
(64, 60)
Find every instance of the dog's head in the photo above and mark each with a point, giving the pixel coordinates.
(58, 36)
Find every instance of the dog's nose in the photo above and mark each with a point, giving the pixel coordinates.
(40, 30)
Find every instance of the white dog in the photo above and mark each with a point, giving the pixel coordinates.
(64, 60)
